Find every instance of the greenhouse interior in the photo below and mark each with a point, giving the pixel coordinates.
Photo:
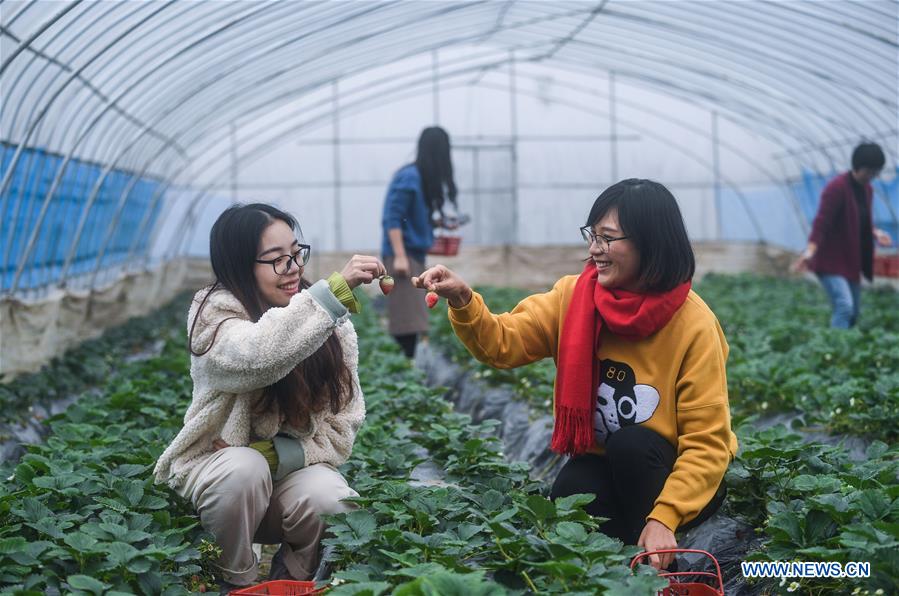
(250, 247)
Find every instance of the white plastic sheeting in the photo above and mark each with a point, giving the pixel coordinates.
(314, 104)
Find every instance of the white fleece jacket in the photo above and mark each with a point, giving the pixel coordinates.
(245, 358)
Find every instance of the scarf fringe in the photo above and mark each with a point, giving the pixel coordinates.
(573, 431)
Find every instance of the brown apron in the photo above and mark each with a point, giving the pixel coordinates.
(407, 312)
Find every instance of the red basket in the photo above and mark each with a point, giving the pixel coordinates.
(281, 587)
(445, 246)
(886, 265)
(676, 587)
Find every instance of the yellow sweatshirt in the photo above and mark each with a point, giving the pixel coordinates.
(673, 382)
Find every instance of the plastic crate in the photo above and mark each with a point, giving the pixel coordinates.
(445, 246)
(281, 587)
(886, 265)
(677, 584)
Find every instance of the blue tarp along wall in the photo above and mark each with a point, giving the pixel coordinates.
(22, 201)
(809, 192)
(777, 216)
(772, 207)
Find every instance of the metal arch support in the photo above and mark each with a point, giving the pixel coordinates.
(407, 84)
(25, 43)
(134, 85)
(38, 120)
(649, 133)
(362, 101)
(226, 100)
(34, 107)
(435, 83)
(513, 133)
(33, 238)
(740, 194)
(266, 146)
(338, 211)
(145, 130)
(112, 227)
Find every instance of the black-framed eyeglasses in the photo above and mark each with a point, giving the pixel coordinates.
(601, 240)
(282, 264)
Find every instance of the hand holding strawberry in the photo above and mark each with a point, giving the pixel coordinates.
(445, 284)
(362, 269)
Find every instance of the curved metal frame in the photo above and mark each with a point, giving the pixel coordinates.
(182, 102)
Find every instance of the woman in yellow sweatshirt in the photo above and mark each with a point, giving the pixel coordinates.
(641, 390)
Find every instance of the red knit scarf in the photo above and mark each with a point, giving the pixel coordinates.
(629, 315)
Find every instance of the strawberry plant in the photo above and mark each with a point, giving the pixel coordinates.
(534, 383)
(785, 358)
(441, 511)
(479, 526)
(91, 363)
(813, 503)
(80, 514)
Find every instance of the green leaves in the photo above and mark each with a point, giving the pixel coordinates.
(85, 513)
(478, 526)
(80, 542)
(361, 523)
(571, 533)
(447, 583)
(12, 545)
(822, 505)
(82, 514)
(809, 500)
(88, 584)
(785, 358)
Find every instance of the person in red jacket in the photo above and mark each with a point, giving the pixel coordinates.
(841, 244)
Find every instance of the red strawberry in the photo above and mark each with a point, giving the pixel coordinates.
(431, 298)
(386, 284)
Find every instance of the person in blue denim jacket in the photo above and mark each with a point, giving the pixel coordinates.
(414, 202)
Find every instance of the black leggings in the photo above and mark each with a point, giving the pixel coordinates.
(626, 481)
(407, 342)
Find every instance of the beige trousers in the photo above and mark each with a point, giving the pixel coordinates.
(239, 504)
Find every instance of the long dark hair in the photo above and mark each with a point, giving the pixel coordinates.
(321, 380)
(649, 216)
(436, 168)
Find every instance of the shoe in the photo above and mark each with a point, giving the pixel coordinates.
(279, 569)
(325, 566)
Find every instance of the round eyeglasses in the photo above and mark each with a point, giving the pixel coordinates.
(282, 264)
(601, 240)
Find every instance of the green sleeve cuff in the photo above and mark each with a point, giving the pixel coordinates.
(267, 449)
(343, 292)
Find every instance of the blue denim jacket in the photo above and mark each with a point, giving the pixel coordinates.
(405, 208)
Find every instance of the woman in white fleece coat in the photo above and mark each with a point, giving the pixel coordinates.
(276, 399)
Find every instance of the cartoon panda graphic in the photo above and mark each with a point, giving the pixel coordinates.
(620, 400)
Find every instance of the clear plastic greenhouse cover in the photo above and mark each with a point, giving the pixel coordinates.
(127, 126)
